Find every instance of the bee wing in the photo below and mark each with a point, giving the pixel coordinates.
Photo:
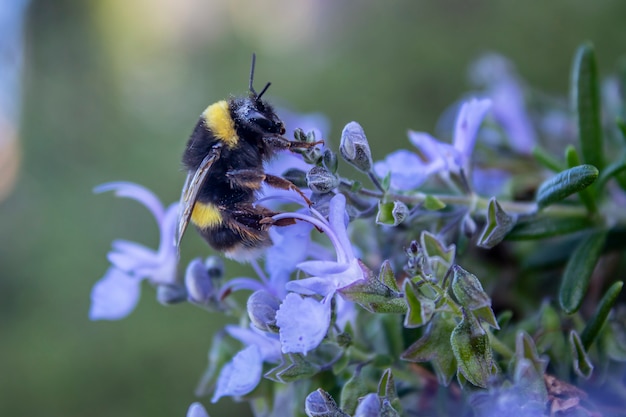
(189, 195)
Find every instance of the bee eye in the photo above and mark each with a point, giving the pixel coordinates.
(266, 124)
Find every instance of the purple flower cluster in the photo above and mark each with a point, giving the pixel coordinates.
(117, 293)
(286, 315)
(409, 170)
(304, 292)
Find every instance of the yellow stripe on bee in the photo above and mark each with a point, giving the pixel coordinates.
(217, 118)
(206, 215)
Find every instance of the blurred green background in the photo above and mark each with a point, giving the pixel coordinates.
(112, 90)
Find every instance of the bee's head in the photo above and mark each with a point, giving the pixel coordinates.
(257, 114)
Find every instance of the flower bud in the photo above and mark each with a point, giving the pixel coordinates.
(321, 181)
(170, 294)
(391, 213)
(262, 307)
(199, 280)
(354, 147)
(215, 267)
(498, 224)
(329, 159)
(468, 289)
(319, 403)
(369, 406)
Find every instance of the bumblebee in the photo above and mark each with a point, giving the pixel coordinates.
(224, 158)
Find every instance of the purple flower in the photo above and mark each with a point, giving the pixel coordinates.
(291, 245)
(409, 171)
(509, 107)
(303, 320)
(490, 181)
(117, 293)
(243, 373)
(201, 279)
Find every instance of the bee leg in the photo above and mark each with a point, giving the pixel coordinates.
(257, 217)
(252, 179)
(283, 184)
(246, 178)
(280, 143)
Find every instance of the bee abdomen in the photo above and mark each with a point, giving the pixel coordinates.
(206, 215)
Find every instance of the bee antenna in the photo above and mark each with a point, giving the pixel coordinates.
(252, 90)
(258, 97)
(252, 76)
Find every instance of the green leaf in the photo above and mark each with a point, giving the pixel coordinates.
(586, 101)
(547, 160)
(373, 295)
(546, 226)
(571, 156)
(387, 390)
(578, 270)
(621, 125)
(352, 390)
(434, 346)
(612, 170)
(485, 314)
(472, 351)
(504, 318)
(468, 290)
(436, 249)
(421, 309)
(386, 181)
(525, 349)
(433, 203)
(582, 364)
(391, 213)
(294, 367)
(499, 223)
(594, 325)
(387, 277)
(439, 257)
(565, 184)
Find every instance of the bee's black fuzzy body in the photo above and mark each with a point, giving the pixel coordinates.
(224, 212)
(224, 158)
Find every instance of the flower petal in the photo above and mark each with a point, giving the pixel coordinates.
(322, 267)
(114, 296)
(129, 256)
(197, 410)
(407, 170)
(303, 323)
(137, 193)
(440, 156)
(268, 345)
(241, 375)
(467, 123)
(290, 246)
(312, 286)
(167, 228)
(338, 223)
